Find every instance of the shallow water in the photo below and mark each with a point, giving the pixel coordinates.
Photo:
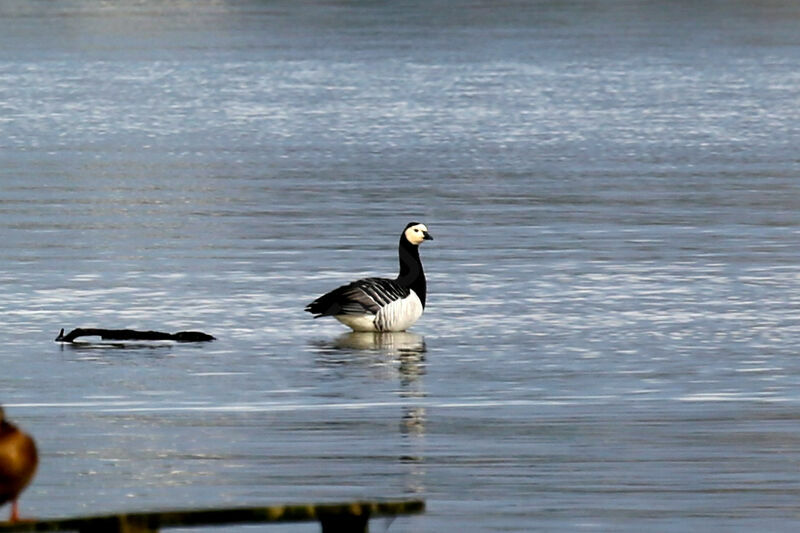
(612, 324)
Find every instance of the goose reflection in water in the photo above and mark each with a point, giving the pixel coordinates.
(400, 356)
(401, 352)
(394, 344)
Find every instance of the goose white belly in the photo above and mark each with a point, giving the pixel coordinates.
(398, 315)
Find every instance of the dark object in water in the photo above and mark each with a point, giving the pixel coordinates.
(133, 335)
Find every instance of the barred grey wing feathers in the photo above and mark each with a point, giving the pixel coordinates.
(366, 295)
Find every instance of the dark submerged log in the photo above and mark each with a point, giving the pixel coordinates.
(133, 335)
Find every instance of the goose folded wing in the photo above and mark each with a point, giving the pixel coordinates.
(365, 296)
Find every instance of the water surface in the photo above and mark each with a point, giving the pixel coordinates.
(612, 322)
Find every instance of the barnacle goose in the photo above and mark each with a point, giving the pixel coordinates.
(380, 304)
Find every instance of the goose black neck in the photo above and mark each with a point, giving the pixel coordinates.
(411, 273)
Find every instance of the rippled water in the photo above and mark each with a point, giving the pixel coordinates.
(613, 315)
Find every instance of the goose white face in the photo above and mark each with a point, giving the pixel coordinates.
(417, 233)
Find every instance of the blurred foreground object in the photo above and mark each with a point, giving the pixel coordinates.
(18, 460)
